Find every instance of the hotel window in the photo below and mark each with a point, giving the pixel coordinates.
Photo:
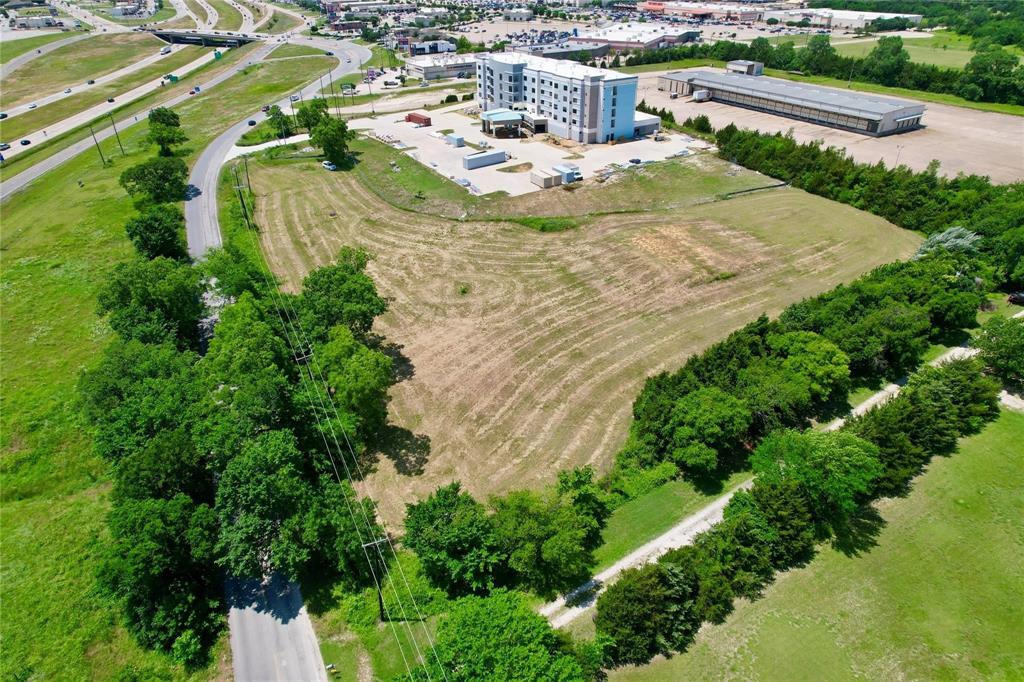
(613, 123)
(615, 91)
(614, 101)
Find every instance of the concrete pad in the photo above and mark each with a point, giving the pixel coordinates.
(428, 146)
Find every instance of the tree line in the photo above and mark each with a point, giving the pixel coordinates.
(218, 466)
(992, 75)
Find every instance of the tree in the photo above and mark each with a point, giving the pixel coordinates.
(165, 137)
(818, 56)
(1001, 342)
(834, 470)
(312, 113)
(161, 180)
(157, 232)
(332, 135)
(246, 377)
(544, 539)
(134, 393)
(955, 239)
(167, 465)
(786, 509)
(454, 539)
(706, 424)
(165, 117)
(498, 639)
(341, 293)
(887, 61)
(159, 568)
(579, 488)
(357, 379)
(818, 360)
(232, 273)
(632, 613)
(279, 121)
(153, 301)
(262, 497)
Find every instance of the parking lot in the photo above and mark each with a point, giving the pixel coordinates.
(961, 140)
(428, 146)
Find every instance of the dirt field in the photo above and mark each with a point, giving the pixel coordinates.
(526, 349)
(962, 140)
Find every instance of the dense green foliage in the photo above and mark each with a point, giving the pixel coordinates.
(165, 130)
(993, 74)
(157, 231)
(1001, 342)
(543, 542)
(499, 638)
(809, 485)
(161, 180)
(332, 135)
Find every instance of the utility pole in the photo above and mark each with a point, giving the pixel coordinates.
(380, 595)
(245, 160)
(112, 125)
(96, 142)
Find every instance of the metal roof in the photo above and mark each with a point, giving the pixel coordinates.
(861, 104)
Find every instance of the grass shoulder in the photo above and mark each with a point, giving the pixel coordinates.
(9, 49)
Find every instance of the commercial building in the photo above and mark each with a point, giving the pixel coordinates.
(745, 66)
(703, 11)
(857, 111)
(836, 18)
(428, 16)
(518, 14)
(562, 97)
(434, 66)
(564, 50)
(431, 47)
(637, 36)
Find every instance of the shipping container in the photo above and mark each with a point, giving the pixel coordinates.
(486, 158)
(418, 118)
(455, 140)
(545, 178)
(701, 95)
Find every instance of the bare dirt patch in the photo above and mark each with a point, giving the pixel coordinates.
(526, 349)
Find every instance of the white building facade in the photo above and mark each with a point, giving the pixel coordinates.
(580, 103)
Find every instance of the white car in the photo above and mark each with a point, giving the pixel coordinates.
(329, 166)
(67, 91)
(294, 98)
(33, 105)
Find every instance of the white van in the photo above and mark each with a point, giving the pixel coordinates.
(165, 50)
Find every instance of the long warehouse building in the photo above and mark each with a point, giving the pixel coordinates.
(857, 111)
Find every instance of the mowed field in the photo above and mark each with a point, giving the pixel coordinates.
(525, 349)
(940, 597)
(75, 64)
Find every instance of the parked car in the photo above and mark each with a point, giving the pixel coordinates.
(329, 166)
(1017, 298)
(252, 122)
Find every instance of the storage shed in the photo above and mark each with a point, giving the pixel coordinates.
(484, 158)
(455, 140)
(417, 118)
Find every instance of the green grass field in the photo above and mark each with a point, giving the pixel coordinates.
(9, 49)
(289, 50)
(54, 489)
(940, 597)
(946, 50)
(74, 64)
(198, 10)
(278, 22)
(37, 119)
(228, 18)
(162, 14)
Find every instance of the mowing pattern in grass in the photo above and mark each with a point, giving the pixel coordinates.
(9, 49)
(54, 490)
(75, 64)
(61, 109)
(939, 597)
(531, 367)
(278, 22)
(228, 18)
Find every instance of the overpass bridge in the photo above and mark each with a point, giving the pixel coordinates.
(205, 39)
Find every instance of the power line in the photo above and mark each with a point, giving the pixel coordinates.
(294, 323)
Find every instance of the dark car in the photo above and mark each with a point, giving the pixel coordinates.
(252, 122)
(90, 82)
(1016, 298)
(3, 116)
(329, 53)
(4, 146)
(110, 100)
(265, 108)
(634, 161)
(25, 143)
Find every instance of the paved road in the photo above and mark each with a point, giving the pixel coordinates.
(12, 185)
(566, 609)
(23, 59)
(201, 221)
(44, 99)
(271, 621)
(101, 24)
